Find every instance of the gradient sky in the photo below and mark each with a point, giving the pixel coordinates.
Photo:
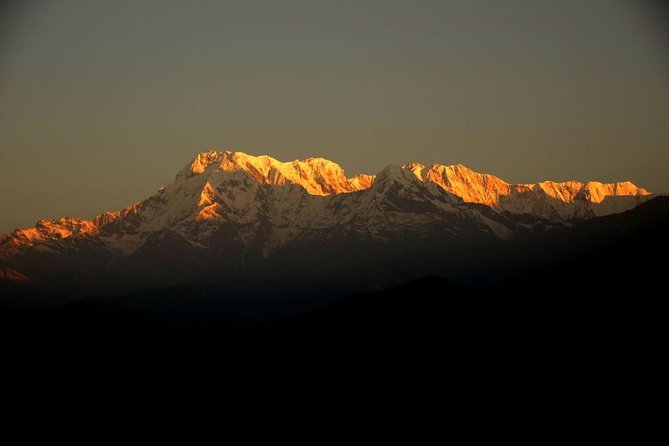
(102, 102)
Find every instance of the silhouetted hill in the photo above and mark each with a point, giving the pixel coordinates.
(588, 287)
(412, 309)
(612, 254)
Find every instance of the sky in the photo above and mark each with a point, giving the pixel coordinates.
(102, 102)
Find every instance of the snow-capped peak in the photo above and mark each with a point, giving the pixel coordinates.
(318, 176)
(230, 187)
(548, 199)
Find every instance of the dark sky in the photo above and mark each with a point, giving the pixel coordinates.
(101, 102)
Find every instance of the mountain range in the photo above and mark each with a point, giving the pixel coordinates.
(231, 217)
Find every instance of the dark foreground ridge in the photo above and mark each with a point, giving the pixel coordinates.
(427, 313)
(586, 288)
